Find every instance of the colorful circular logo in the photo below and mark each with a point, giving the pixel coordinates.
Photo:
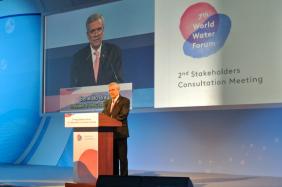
(204, 30)
(78, 137)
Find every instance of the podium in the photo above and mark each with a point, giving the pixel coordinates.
(92, 145)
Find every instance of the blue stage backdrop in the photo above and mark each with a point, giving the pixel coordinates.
(20, 45)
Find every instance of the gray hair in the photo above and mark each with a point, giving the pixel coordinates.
(94, 17)
(115, 84)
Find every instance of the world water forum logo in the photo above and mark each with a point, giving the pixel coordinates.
(204, 30)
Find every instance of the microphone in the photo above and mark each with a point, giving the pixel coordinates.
(113, 70)
(115, 75)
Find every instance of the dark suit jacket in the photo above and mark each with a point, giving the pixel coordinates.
(110, 68)
(119, 112)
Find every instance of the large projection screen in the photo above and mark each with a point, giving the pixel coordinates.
(178, 53)
(65, 34)
(218, 52)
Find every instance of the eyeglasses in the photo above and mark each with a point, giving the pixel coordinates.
(96, 31)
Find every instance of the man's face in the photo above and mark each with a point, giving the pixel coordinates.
(113, 91)
(95, 33)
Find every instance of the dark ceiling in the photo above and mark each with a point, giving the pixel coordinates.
(55, 6)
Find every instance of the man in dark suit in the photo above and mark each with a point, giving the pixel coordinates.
(117, 107)
(99, 63)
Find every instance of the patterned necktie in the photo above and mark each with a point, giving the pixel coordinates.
(96, 65)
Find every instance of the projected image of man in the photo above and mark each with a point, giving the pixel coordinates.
(98, 63)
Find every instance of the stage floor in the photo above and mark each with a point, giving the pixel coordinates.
(51, 176)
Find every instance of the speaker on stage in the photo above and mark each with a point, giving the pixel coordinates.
(143, 181)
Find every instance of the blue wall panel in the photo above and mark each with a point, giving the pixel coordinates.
(20, 38)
